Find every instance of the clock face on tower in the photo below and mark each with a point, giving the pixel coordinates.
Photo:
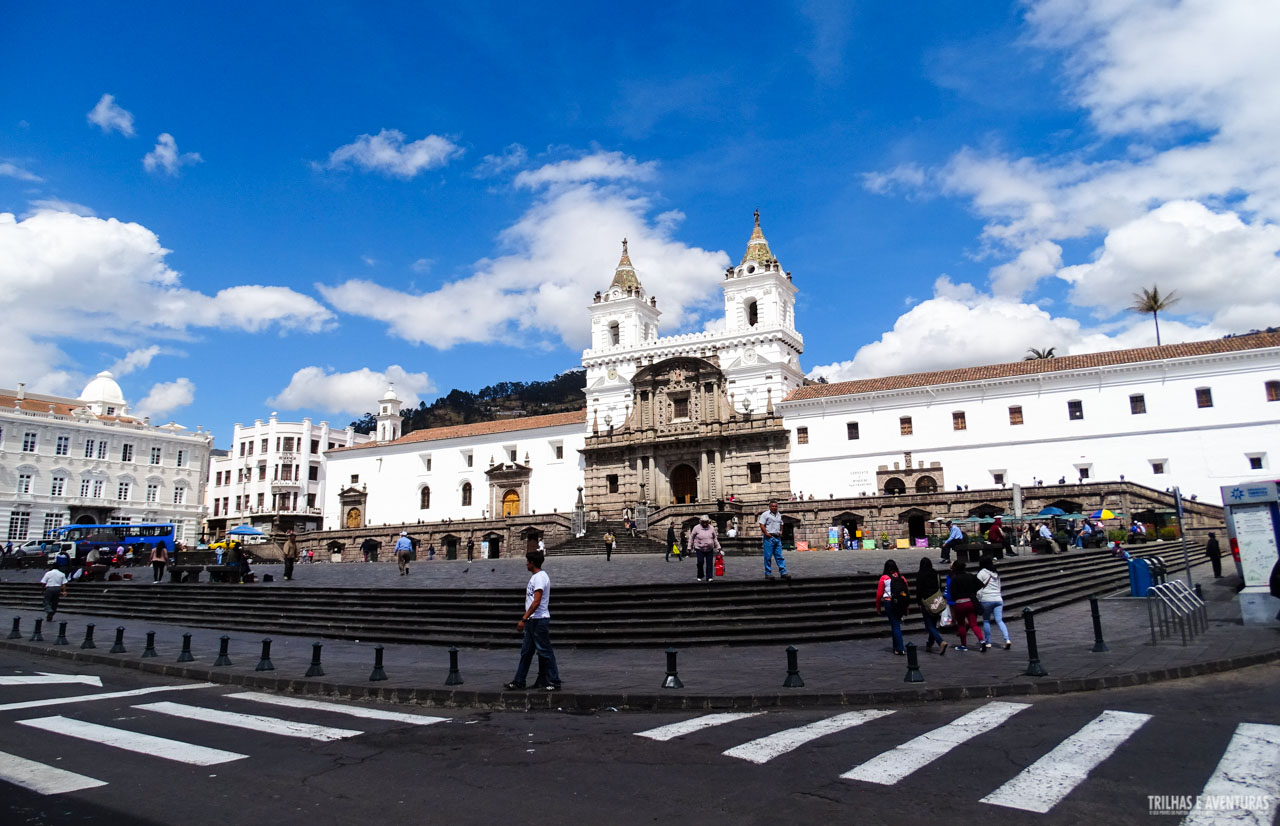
(749, 356)
(613, 373)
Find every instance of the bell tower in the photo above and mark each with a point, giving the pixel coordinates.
(623, 316)
(389, 420)
(758, 293)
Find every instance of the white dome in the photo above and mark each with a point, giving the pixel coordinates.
(102, 388)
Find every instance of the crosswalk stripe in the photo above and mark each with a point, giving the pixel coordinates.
(674, 730)
(1250, 767)
(40, 778)
(894, 765)
(766, 748)
(253, 722)
(106, 695)
(175, 750)
(354, 711)
(1044, 783)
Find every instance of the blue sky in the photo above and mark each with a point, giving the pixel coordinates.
(242, 208)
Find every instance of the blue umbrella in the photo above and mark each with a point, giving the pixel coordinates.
(244, 530)
(1051, 511)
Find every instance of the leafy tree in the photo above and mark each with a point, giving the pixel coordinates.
(365, 424)
(1152, 302)
(1035, 355)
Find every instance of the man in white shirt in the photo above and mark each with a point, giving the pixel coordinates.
(54, 583)
(771, 529)
(535, 625)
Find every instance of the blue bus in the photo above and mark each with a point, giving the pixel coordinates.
(139, 538)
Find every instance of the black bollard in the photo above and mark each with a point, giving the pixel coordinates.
(150, 650)
(378, 672)
(673, 679)
(1034, 668)
(264, 664)
(62, 635)
(224, 642)
(455, 677)
(315, 670)
(185, 655)
(88, 637)
(1099, 647)
(16, 633)
(118, 647)
(1199, 593)
(36, 636)
(913, 665)
(793, 680)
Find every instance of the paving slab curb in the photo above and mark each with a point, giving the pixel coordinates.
(659, 701)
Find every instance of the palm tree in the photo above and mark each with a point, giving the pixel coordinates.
(1035, 355)
(1151, 301)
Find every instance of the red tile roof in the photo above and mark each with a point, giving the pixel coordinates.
(38, 405)
(1253, 341)
(435, 434)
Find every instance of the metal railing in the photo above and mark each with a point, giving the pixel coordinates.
(1172, 604)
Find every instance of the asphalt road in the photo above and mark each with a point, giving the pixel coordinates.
(1092, 757)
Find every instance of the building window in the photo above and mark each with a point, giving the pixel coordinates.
(88, 448)
(753, 473)
(355, 477)
(242, 448)
(802, 435)
(155, 455)
(1273, 391)
(315, 445)
(179, 495)
(904, 425)
(126, 453)
(313, 473)
(266, 445)
(612, 481)
(24, 483)
(466, 494)
(217, 507)
(84, 488)
(53, 521)
(424, 498)
(98, 486)
(262, 473)
(153, 491)
(615, 333)
(29, 442)
(1137, 404)
(1204, 397)
(1075, 410)
(511, 454)
(122, 491)
(102, 449)
(262, 500)
(311, 500)
(957, 421)
(1256, 461)
(559, 451)
(470, 457)
(998, 478)
(1084, 472)
(182, 458)
(238, 504)
(19, 524)
(851, 430)
(753, 313)
(680, 407)
(1157, 467)
(288, 444)
(64, 446)
(1015, 414)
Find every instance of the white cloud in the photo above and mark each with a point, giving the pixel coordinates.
(904, 176)
(111, 117)
(491, 166)
(112, 277)
(353, 393)
(1015, 277)
(165, 397)
(562, 249)
(8, 169)
(422, 265)
(58, 205)
(598, 166)
(166, 158)
(134, 360)
(387, 153)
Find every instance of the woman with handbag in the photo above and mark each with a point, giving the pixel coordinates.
(932, 603)
(990, 599)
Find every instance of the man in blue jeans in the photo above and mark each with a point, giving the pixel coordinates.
(771, 528)
(536, 627)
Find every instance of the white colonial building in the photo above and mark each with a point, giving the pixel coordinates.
(89, 461)
(273, 477)
(1195, 416)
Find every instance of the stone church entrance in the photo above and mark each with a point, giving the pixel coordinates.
(684, 485)
(511, 503)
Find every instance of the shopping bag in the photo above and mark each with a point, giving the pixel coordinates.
(944, 619)
(719, 564)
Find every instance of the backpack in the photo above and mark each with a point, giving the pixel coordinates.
(897, 588)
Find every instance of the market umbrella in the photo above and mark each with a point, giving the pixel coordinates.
(1051, 511)
(244, 530)
(1102, 514)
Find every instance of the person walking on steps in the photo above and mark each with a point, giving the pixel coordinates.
(892, 599)
(54, 585)
(159, 559)
(1214, 552)
(609, 540)
(771, 529)
(403, 548)
(290, 554)
(535, 625)
(931, 601)
(962, 588)
(672, 547)
(706, 544)
(991, 600)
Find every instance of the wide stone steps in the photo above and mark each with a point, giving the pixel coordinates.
(722, 613)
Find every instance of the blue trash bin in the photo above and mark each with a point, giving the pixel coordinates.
(1139, 577)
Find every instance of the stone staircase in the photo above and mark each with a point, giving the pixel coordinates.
(593, 542)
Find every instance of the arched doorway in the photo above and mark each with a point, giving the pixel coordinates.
(895, 486)
(531, 537)
(450, 545)
(926, 484)
(684, 485)
(916, 520)
(493, 542)
(85, 519)
(511, 503)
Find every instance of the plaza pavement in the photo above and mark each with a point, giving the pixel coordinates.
(839, 673)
